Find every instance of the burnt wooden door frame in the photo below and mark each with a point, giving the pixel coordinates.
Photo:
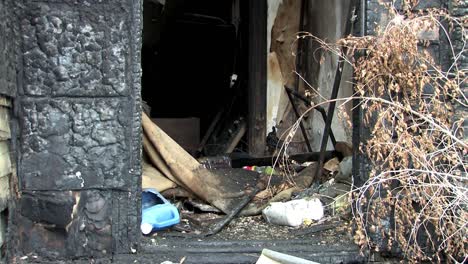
(257, 80)
(77, 129)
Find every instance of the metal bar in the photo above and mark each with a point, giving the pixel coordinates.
(304, 132)
(336, 87)
(318, 108)
(299, 43)
(324, 117)
(331, 110)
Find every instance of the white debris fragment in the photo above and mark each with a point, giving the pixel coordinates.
(293, 213)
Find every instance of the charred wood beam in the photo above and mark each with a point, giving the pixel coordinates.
(225, 221)
(257, 84)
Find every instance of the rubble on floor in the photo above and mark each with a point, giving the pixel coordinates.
(209, 193)
(293, 213)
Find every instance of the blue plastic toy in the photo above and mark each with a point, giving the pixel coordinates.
(157, 212)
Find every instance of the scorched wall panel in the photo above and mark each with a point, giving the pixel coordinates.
(69, 51)
(74, 144)
(77, 129)
(75, 108)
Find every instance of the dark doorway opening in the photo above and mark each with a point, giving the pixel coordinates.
(201, 58)
(194, 62)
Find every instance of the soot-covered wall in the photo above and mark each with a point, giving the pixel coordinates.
(78, 137)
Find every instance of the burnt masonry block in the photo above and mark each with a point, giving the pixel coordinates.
(74, 143)
(73, 224)
(51, 208)
(70, 49)
(78, 128)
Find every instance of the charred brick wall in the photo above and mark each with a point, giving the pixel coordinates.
(78, 118)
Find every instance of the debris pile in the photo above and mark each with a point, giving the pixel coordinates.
(209, 192)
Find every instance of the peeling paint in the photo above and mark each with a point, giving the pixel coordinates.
(277, 100)
(283, 25)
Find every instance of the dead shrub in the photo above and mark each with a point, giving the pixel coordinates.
(416, 194)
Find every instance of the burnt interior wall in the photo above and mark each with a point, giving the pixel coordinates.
(257, 75)
(310, 69)
(79, 135)
(282, 25)
(327, 21)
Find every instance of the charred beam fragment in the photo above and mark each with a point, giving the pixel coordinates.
(257, 83)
